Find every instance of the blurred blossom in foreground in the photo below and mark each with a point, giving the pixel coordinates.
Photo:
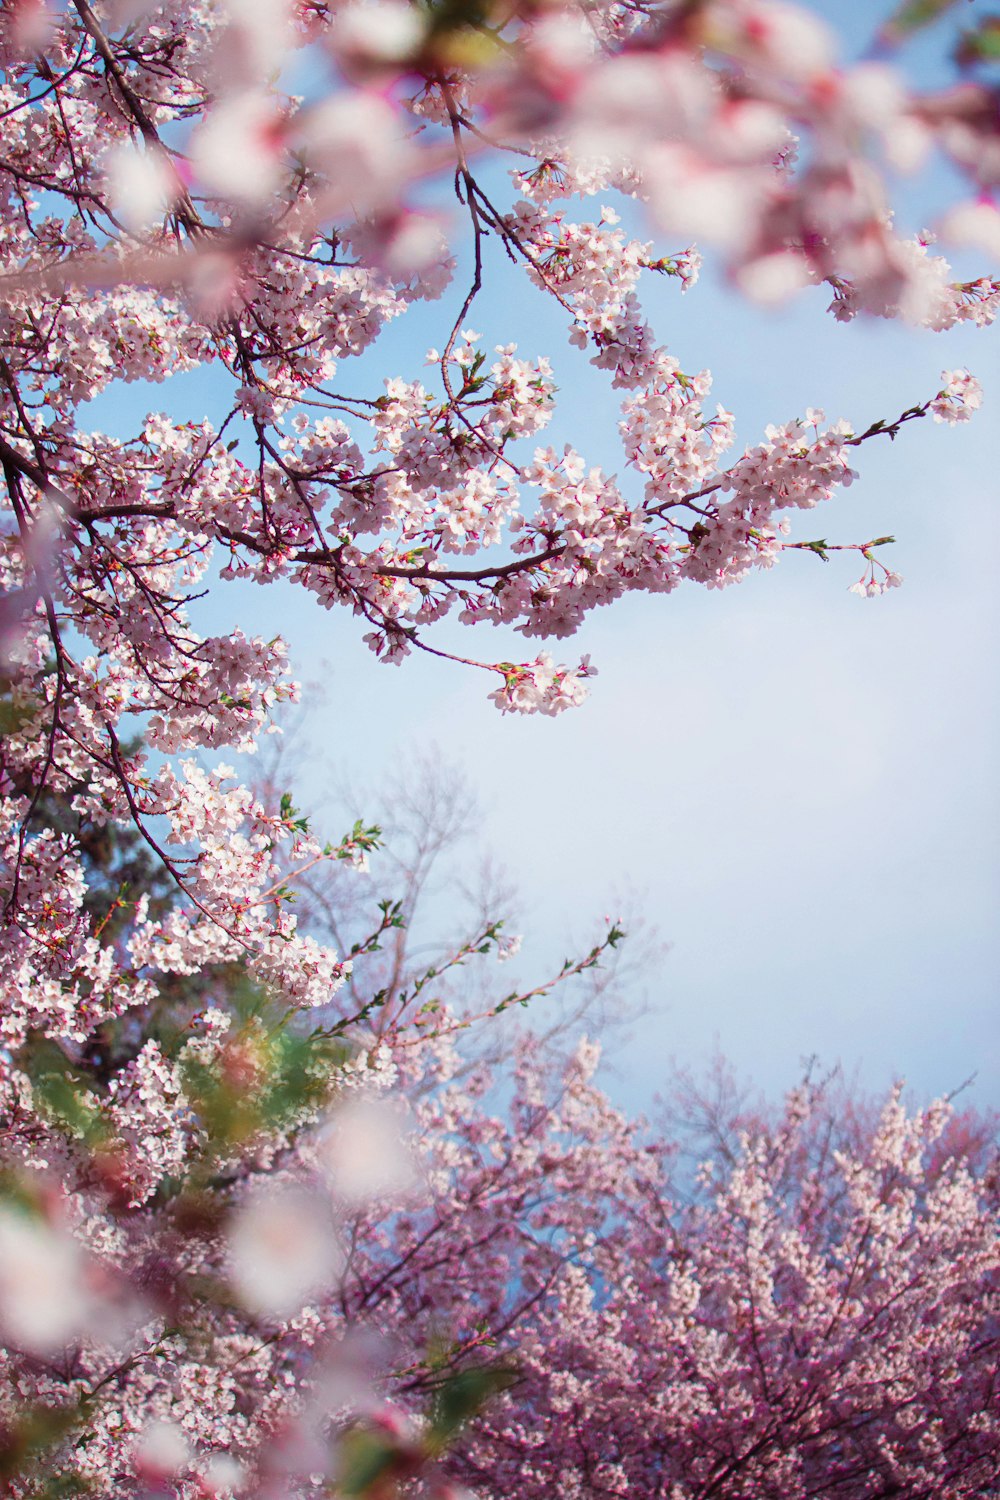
(282, 1250)
(162, 1451)
(364, 1154)
(141, 186)
(44, 1299)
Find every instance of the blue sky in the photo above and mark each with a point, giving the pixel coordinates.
(798, 787)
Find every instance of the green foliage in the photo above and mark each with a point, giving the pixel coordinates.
(263, 1082)
(64, 1093)
(981, 44)
(34, 1433)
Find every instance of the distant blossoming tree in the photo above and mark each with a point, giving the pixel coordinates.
(219, 1257)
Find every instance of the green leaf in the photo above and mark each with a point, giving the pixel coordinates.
(979, 45)
(914, 15)
(459, 1398)
(365, 1458)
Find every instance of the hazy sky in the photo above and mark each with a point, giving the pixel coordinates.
(797, 785)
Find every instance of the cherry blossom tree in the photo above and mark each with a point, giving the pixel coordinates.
(323, 1310)
(822, 1319)
(225, 1263)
